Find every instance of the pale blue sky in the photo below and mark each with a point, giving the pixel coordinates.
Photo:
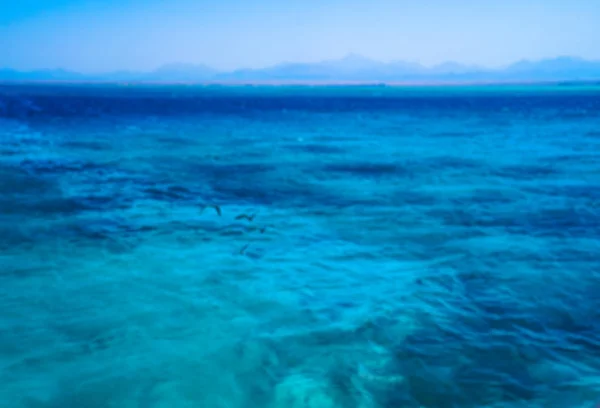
(103, 35)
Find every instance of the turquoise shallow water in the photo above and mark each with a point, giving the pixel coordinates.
(410, 248)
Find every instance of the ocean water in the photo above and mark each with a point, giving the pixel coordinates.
(404, 247)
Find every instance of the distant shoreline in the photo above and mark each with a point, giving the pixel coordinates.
(276, 83)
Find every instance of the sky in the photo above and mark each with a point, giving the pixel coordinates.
(94, 36)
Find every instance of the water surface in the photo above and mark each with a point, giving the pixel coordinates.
(412, 247)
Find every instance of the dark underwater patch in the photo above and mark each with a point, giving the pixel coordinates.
(258, 183)
(8, 151)
(589, 192)
(446, 162)
(479, 354)
(576, 255)
(14, 235)
(367, 169)
(104, 202)
(565, 222)
(414, 198)
(459, 217)
(315, 148)
(217, 171)
(452, 135)
(14, 180)
(543, 222)
(459, 163)
(445, 369)
(572, 158)
(114, 230)
(523, 172)
(177, 141)
(19, 107)
(253, 190)
(248, 191)
(39, 206)
(278, 191)
(86, 145)
(63, 166)
(26, 190)
(486, 197)
(169, 193)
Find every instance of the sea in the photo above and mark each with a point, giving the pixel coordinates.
(178, 246)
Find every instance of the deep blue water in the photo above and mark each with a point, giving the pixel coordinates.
(433, 248)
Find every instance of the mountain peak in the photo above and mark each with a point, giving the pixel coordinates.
(351, 67)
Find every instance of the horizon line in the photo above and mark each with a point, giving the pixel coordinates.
(283, 63)
(307, 83)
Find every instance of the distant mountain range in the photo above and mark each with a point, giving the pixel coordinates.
(352, 68)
